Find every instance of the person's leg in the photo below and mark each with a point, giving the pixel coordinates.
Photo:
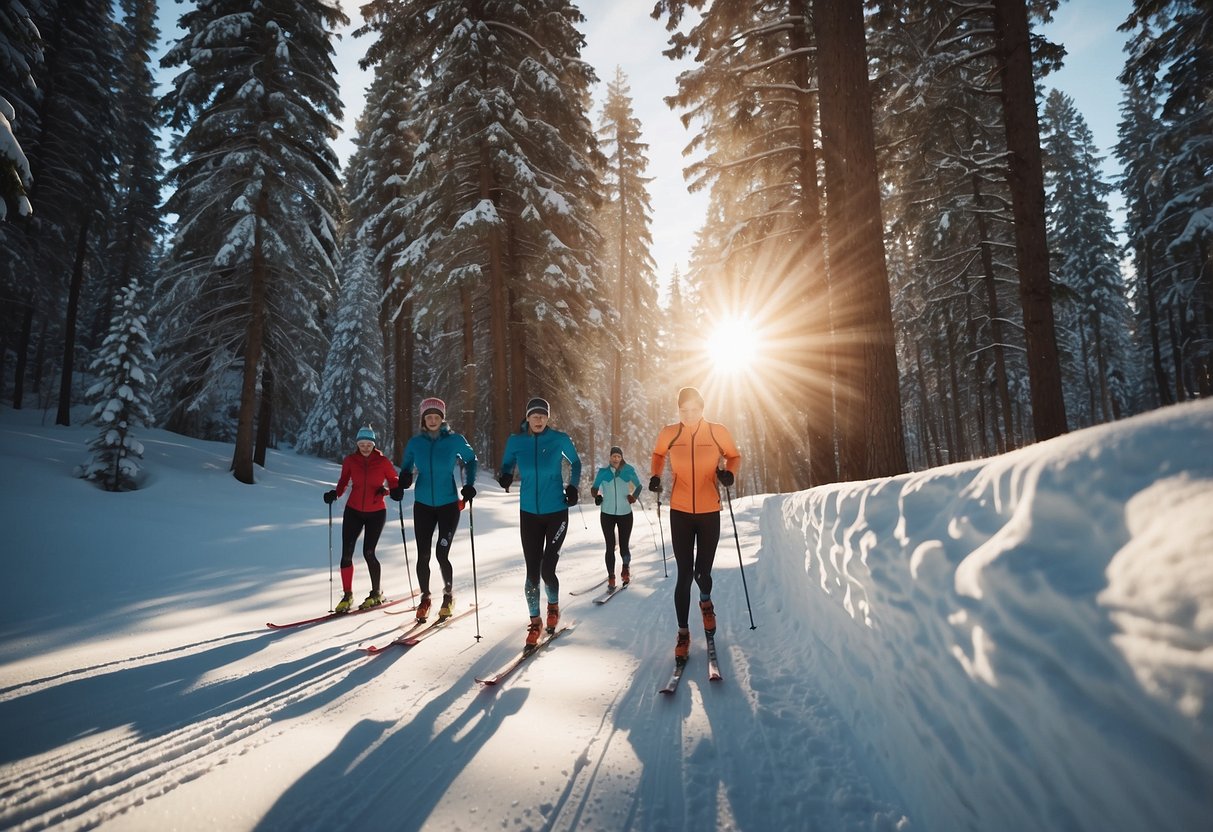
(607, 521)
(370, 539)
(682, 540)
(557, 525)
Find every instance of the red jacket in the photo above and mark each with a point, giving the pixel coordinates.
(366, 474)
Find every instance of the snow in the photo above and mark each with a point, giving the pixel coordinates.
(1024, 642)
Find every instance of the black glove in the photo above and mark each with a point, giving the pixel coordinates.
(397, 493)
(406, 478)
(655, 485)
(570, 495)
(330, 497)
(468, 492)
(504, 481)
(597, 499)
(725, 476)
(631, 499)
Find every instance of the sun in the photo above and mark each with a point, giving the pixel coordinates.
(733, 346)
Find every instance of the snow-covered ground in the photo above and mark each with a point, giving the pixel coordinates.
(1020, 643)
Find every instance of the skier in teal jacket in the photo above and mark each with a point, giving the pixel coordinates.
(433, 453)
(614, 491)
(536, 455)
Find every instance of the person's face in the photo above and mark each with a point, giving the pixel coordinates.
(690, 411)
(365, 446)
(616, 460)
(432, 421)
(537, 421)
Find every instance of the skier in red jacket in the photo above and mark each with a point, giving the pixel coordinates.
(365, 471)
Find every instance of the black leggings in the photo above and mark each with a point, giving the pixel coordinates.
(609, 523)
(425, 519)
(542, 536)
(353, 522)
(694, 538)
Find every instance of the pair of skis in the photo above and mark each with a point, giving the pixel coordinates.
(332, 616)
(420, 632)
(680, 666)
(499, 675)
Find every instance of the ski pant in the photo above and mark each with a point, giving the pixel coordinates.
(694, 538)
(542, 535)
(425, 519)
(370, 525)
(609, 523)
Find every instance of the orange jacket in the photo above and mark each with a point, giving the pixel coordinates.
(694, 453)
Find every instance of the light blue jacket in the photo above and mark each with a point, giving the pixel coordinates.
(613, 486)
(535, 457)
(434, 455)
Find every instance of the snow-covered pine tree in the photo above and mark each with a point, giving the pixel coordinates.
(352, 391)
(1095, 324)
(501, 191)
(20, 51)
(121, 393)
(255, 189)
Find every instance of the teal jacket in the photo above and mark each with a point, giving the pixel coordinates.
(536, 459)
(434, 458)
(613, 486)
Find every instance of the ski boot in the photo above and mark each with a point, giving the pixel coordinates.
(611, 583)
(532, 634)
(373, 600)
(709, 616)
(625, 575)
(423, 608)
(682, 647)
(448, 606)
(553, 617)
(347, 601)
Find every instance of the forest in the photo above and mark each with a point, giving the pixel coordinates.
(904, 217)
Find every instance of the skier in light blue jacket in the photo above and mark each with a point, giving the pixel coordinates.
(535, 453)
(614, 490)
(433, 453)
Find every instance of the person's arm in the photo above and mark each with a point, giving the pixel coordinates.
(470, 464)
(732, 456)
(574, 461)
(344, 479)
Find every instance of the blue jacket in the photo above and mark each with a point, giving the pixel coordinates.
(535, 457)
(434, 458)
(613, 486)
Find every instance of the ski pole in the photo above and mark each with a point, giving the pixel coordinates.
(661, 530)
(582, 510)
(330, 557)
(405, 541)
(475, 592)
(648, 520)
(729, 495)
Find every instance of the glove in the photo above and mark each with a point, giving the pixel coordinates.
(655, 485)
(468, 492)
(570, 495)
(597, 499)
(406, 478)
(381, 490)
(330, 497)
(504, 481)
(725, 476)
(397, 493)
(631, 499)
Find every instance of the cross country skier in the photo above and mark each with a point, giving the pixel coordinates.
(614, 490)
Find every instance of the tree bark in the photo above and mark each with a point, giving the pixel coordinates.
(499, 311)
(242, 456)
(1026, 181)
(64, 414)
(27, 333)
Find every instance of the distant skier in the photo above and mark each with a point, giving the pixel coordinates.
(365, 471)
(615, 488)
(535, 452)
(695, 448)
(433, 453)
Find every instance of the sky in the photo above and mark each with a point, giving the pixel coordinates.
(1023, 642)
(621, 33)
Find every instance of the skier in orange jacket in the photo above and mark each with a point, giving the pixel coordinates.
(695, 448)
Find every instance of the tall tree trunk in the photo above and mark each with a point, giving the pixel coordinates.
(499, 312)
(1002, 385)
(265, 414)
(621, 295)
(875, 442)
(242, 456)
(27, 332)
(1026, 180)
(64, 414)
(468, 423)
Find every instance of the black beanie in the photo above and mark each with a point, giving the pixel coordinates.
(689, 393)
(538, 405)
(615, 449)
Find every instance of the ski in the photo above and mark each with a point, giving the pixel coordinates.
(509, 667)
(609, 594)
(713, 665)
(675, 677)
(588, 588)
(414, 635)
(334, 615)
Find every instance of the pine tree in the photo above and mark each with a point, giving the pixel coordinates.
(122, 396)
(20, 50)
(252, 256)
(352, 391)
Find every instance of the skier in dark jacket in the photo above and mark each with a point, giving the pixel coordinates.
(365, 471)
(535, 453)
(433, 453)
(614, 491)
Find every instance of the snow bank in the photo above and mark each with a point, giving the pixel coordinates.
(1024, 642)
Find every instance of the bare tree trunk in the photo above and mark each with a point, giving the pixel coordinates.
(499, 312)
(1002, 385)
(27, 332)
(64, 414)
(242, 457)
(469, 426)
(265, 415)
(1026, 180)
